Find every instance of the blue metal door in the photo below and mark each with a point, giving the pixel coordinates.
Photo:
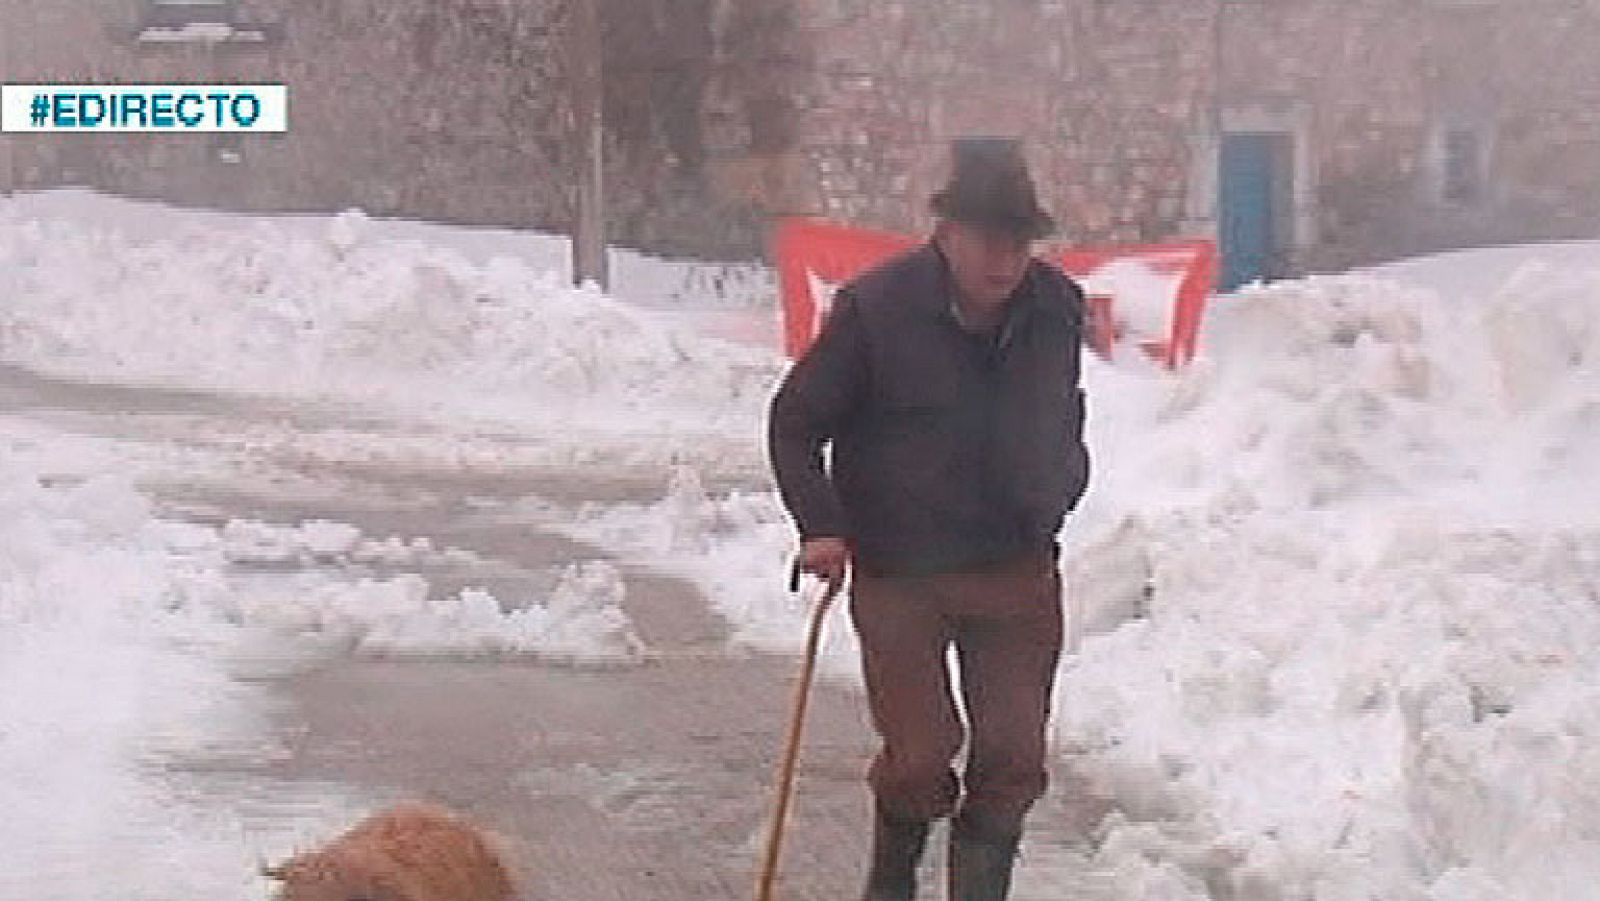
(1246, 205)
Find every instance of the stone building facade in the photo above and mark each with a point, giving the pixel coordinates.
(452, 110)
(1306, 134)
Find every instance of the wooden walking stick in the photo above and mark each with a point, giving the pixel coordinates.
(791, 751)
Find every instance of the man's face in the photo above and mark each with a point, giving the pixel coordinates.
(987, 264)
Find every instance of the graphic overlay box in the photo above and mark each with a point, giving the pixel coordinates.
(147, 108)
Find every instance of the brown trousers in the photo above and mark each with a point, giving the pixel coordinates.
(1006, 625)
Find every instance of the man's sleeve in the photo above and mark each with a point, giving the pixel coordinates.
(816, 398)
(1078, 455)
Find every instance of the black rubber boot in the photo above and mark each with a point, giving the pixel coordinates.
(980, 862)
(896, 849)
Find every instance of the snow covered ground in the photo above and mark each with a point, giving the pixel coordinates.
(1338, 583)
(103, 678)
(121, 640)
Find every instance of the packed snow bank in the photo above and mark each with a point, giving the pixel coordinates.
(1471, 275)
(330, 308)
(636, 277)
(1343, 588)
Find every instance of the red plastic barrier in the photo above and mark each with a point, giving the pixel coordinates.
(816, 256)
(813, 250)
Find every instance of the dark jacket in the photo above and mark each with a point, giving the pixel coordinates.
(949, 450)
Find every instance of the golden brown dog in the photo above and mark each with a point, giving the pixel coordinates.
(409, 852)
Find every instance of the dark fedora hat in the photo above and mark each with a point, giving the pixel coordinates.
(989, 187)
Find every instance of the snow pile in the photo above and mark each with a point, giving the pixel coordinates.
(580, 622)
(346, 314)
(736, 549)
(98, 690)
(313, 541)
(318, 542)
(638, 278)
(1344, 595)
(317, 587)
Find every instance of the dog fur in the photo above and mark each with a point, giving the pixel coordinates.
(409, 852)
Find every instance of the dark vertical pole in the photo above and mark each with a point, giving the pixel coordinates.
(589, 262)
(1219, 102)
(1219, 74)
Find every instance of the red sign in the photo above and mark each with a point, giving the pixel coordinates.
(1152, 296)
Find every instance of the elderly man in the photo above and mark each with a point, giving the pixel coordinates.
(947, 383)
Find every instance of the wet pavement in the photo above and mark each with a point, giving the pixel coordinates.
(650, 780)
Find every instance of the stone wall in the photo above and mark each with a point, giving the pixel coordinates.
(1121, 101)
(1385, 82)
(452, 110)
(723, 112)
(1105, 103)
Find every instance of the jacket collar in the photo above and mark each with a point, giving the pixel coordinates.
(941, 294)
